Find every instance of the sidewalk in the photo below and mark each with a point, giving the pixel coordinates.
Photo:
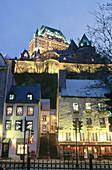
(48, 144)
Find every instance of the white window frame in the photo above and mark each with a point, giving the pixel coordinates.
(101, 106)
(11, 96)
(109, 136)
(82, 136)
(29, 97)
(68, 136)
(88, 106)
(75, 107)
(95, 136)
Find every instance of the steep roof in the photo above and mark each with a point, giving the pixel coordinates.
(2, 61)
(52, 32)
(84, 88)
(20, 93)
(45, 100)
(84, 41)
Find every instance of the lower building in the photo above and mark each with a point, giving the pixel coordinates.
(21, 122)
(47, 117)
(84, 100)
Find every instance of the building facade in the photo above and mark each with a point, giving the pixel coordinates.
(84, 100)
(6, 81)
(21, 118)
(47, 38)
(48, 120)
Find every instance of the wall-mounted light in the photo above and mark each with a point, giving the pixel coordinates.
(13, 140)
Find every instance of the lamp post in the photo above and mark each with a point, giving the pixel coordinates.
(75, 123)
(24, 143)
(48, 153)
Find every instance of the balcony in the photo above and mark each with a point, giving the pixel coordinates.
(90, 126)
(103, 126)
(102, 111)
(76, 111)
(88, 111)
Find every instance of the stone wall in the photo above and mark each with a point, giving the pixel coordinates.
(53, 66)
(66, 116)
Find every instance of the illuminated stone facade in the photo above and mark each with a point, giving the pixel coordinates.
(47, 38)
(95, 138)
(53, 66)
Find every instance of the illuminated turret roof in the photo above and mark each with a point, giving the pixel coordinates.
(52, 33)
(84, 41)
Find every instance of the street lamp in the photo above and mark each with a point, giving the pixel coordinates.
(79, 125)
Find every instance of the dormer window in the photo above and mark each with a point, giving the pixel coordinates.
(11, 96)
(29, 96)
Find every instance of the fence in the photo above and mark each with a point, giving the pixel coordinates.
(56, 165)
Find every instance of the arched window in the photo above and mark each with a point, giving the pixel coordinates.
(29, 96)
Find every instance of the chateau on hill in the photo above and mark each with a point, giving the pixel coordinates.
(47, 39)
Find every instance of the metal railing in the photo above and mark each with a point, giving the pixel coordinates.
(42, 164)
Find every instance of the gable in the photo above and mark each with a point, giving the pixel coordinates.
(2, 61)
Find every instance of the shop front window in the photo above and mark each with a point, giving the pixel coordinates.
(68, 136)
(20, 149)
(82, 136)
(108, 136)
(95, 136)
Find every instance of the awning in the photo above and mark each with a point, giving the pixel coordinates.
(6, 140)
(21, 140)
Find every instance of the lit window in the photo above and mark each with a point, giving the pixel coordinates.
(8, 125)
(30, 110)
(9, 110)
(29, 125)
(19, 111)
(44, 128)
(89, 121)
(20, 149)
(101, 106)
(88, 106)
(18, 125)
(102, 121)
(108, 136)
(82, 136)
(68, 136)
(11, 96)
(75, 107)
(29, 96)
(95, 136)
(44, 118)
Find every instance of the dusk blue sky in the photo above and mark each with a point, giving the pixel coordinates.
(19, 19)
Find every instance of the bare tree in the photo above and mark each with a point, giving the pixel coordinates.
(101, 31)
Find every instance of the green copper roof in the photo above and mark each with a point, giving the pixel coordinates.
(51, 32)
(84, 41)
(30, 40)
